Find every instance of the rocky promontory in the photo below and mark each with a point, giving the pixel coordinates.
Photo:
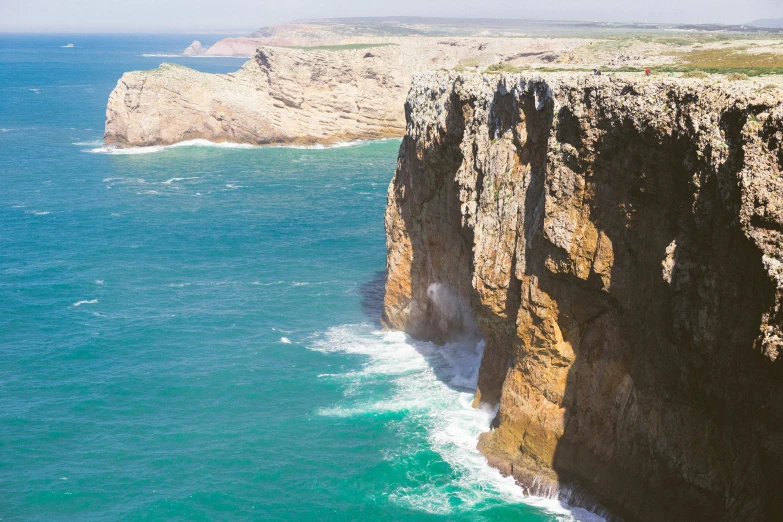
(617, 242)
(298, 95)
(280, 96)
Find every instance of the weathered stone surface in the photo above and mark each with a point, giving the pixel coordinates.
(280, 96)
(305, 96)
(617, 242)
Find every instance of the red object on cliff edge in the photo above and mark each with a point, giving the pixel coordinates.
(647, 72)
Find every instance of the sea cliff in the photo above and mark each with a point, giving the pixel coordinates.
(281, 96)
(617, 243)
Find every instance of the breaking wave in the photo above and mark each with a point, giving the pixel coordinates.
(226, 145)
(79, 303)
(433, 388)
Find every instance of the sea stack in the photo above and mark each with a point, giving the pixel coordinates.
(194, 49)
(618, 243)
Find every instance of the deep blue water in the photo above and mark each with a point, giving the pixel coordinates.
(192, 333)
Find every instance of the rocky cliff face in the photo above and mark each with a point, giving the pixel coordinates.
(306, 96)
(617, 242)
(280, 96)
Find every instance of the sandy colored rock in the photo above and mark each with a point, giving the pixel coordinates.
(281, 96)
(617, 242)
(194, 49)
(306, 96)
(241, 46)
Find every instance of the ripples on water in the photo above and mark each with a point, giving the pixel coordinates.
(193, 333)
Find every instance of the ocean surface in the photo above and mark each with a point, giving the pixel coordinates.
(191, 332)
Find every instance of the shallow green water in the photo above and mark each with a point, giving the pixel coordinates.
(191, 333)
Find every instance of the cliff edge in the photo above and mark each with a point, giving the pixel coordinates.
(617, 242)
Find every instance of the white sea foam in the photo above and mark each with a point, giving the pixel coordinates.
(225, 145)
(123, 152)
(172, 180)
(337, 145)
(38, 213)
(308, 283)
(79, 303)
(434, 387)
(159, 148)
(285, 340)
(99, 281)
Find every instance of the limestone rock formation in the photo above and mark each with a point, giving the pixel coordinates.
(240, 46)
(194, 49)
(280, 96)
(617, 242)
(287, 95)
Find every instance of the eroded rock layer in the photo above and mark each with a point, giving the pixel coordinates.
(280, 96)
(617, 242)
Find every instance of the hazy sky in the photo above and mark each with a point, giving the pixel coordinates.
(195, 16)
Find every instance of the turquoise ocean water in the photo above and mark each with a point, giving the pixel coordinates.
(191, 333)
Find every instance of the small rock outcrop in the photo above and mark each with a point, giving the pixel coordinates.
(281, 96)
(194, 49)
(618, 244)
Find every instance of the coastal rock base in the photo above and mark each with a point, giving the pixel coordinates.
(617, 242)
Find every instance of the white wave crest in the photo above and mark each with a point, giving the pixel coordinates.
(159, 148)
(285, 340)
(225, 145)
(434, 387)
(79, 303)
(123, 152)
(172, 180)
(337, 145)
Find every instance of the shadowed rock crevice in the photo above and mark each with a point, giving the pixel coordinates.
(618, 246)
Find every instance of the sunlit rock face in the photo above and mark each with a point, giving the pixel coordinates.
(281, 96)
(617, 243)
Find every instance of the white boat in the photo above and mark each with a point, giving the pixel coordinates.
(68, 46)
